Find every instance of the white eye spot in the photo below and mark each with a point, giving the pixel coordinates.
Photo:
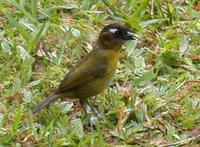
(112, 30)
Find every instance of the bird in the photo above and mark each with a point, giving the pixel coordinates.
(96, 70)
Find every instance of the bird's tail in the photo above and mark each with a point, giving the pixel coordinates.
(44, 103)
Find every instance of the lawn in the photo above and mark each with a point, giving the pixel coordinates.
(154, 99)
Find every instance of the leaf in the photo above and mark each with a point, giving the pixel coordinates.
(131, 45)
(28, 25)
(5, 138)
(1, 120)
(158, 4)
(145, 77)
(67, 106)
(78, 127)
(151, 22)
(141, 113)
(120, 117)
(34, 83)
(120, 104)
(170, 44)
(17, 119)
(26, 70)
(27, 96)
(139, 62)
(134, 23)
(172, 132)
(30, 121)
(140, 9)
(61, 52)
(171, 58)
(34, 8)
(64, 7)
(100, 141)
(11, 19)
(21, 8)
(183, 45)
(23, 53)
(17, 85)
(6, 47)
(66, 28)
(38, 35)
(189, 122)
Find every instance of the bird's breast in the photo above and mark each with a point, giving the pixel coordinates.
(100, 83)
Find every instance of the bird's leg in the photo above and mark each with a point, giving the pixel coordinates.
(82, 102)
(94, 111)
(91, 119)
(94, 118)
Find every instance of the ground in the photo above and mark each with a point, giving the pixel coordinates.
(154, 99)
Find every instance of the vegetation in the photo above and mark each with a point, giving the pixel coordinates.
(154, 99)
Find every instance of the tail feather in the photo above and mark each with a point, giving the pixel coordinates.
(44, 103)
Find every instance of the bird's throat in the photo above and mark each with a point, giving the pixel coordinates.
(110, 45)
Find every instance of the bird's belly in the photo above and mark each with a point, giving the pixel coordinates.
(95, 87)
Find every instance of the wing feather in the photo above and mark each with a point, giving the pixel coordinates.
(83, 74)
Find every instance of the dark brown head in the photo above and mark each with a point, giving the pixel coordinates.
(113, 36)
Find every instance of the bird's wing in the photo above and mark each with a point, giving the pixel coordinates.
(83, 74)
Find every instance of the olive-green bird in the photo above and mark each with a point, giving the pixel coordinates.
(94, 73)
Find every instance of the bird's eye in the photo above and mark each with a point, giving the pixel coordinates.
(112, 30)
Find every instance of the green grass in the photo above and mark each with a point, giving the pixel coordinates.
(154, 98)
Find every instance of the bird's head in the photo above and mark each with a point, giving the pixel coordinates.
(113, 36)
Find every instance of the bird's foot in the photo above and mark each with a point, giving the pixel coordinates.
(92, 115)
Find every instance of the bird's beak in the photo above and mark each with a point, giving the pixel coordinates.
(131, 36)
